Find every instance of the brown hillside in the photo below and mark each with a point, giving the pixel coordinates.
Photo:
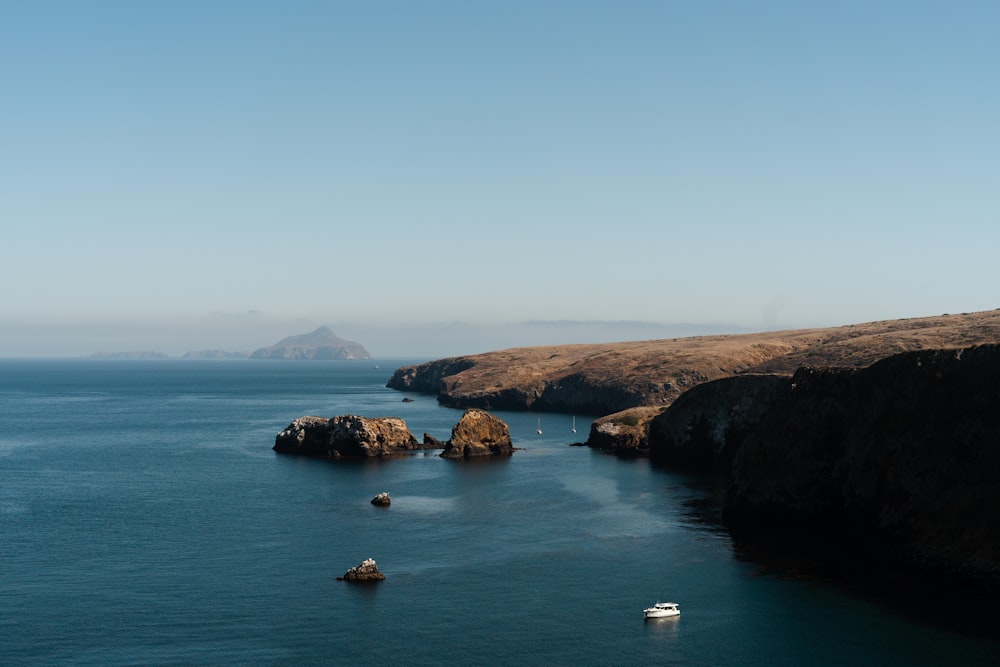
(600, 379)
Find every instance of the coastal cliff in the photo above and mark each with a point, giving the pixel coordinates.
(706, 425)
(880, 441)
(901, 458)
(602, 379)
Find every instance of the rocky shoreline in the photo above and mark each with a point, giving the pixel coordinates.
(609, 379)
(897, 457)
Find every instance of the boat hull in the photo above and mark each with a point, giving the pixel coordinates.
(662, 610)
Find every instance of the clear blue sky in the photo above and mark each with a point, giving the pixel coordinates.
(765, 164)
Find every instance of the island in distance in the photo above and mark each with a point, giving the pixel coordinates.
(215, 354)
(320, 344)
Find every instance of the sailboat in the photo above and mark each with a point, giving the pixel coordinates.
(539, 426)
(574, 424)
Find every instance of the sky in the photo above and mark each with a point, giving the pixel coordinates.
(398, 169)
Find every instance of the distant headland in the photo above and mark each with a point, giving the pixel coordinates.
(321, 344)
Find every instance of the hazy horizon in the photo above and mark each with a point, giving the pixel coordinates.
(396, 166)
(249, 331)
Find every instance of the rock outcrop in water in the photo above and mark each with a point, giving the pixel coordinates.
(899, 462)
(366, 571)
(346, 436)
(430, 442)
(478, 433)
(382, 499)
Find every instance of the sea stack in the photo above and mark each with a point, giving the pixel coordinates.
(367, 571)
(478, 433)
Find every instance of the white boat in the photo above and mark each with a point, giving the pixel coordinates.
(539, 426)
(574, 424)
(662, 610)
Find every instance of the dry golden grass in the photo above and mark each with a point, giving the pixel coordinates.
(655, 372)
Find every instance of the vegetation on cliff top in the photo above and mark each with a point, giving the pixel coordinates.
(609, 378)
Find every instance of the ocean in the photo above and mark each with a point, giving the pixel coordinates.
(145, 520)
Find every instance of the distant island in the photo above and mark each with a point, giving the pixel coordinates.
(133, 354)
(321, 344)
(215, 354)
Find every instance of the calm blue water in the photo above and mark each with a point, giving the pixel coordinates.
(144, 519)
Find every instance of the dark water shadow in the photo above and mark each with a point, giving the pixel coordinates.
(847, 564)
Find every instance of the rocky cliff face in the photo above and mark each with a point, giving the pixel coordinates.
(427, 378)
(347, 436)
(623, 433)
(705, 426)
(460, 384)
(608, 378)
(902, 458)
(478, 433)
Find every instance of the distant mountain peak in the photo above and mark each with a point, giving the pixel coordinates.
(322, 343)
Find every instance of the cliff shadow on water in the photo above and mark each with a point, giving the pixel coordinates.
(885, 479)
(883, 476)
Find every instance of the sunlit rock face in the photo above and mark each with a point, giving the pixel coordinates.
(347, 436)
(478, 433)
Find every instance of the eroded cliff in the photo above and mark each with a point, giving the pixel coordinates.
(602, 379)
(901, 458)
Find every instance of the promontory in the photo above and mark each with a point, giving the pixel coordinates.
(606, 378)
(881, 440)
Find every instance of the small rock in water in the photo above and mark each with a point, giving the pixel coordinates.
(367, 571)
(382, 499)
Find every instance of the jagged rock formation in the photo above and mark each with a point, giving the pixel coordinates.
(430, 442)
(320, 344)
(478, 433)
(707, 424)
(366, 571)
(382, 499)
(899, 461)
(345, 436)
